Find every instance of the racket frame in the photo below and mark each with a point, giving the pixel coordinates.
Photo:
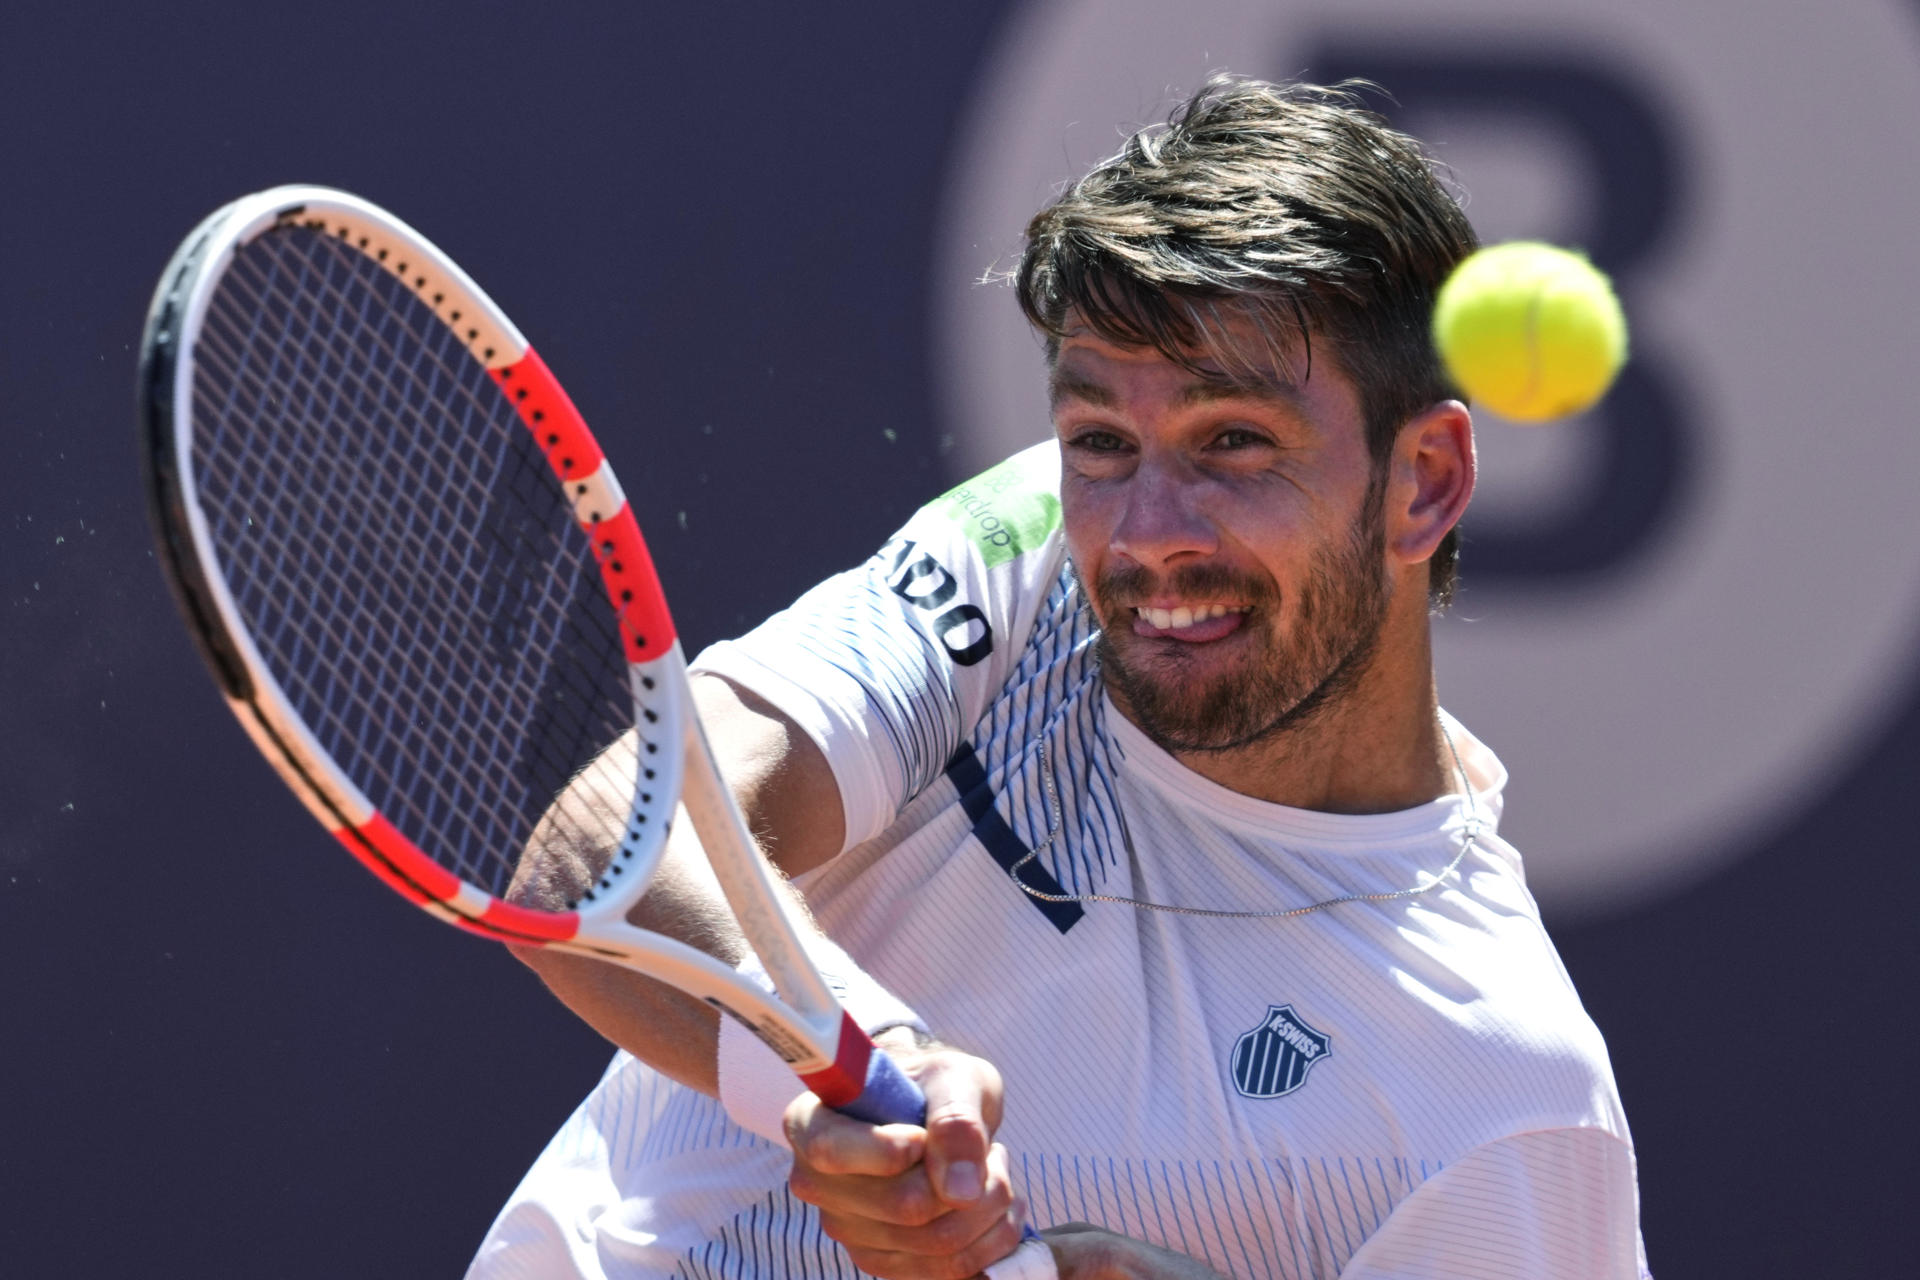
(804, 1024)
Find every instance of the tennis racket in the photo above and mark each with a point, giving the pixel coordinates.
(422, 591)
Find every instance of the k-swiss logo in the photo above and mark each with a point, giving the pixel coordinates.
(1273, 1059)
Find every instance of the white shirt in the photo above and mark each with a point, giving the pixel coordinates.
(1402, 1087)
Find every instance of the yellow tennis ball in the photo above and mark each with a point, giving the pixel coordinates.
(1531, 331)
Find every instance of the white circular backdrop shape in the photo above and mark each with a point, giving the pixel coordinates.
(1664, 723)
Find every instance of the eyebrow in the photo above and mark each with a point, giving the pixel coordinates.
(1064, 384)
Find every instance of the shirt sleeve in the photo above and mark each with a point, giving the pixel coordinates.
(1556, 1204)
(889, 666)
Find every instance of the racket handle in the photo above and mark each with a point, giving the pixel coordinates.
(892, 1098)
(889, 1097)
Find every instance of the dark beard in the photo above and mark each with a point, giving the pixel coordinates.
(1336, 629)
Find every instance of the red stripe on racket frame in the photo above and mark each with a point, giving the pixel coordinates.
(646, 628)
(846, 1079)
(626, 566)
(550, 926)
(398, 861)
(549, 413)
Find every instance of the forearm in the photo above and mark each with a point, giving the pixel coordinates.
(787, 793)
(657, 1023)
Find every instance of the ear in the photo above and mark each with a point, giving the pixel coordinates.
(1430, 480)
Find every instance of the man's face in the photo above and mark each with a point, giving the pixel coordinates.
(1228, 535)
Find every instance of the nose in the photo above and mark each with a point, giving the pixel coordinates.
(1164, 518)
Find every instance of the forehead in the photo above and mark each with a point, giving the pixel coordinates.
(1091, 368)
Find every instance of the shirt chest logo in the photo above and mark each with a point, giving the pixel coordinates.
(1273, 1059)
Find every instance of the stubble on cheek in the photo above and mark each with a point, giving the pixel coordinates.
(1275, 678)
(1174, 690)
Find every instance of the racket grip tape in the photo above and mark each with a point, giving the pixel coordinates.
(749, 1074)
(891, 1097)
(865, 1083)
(888, 1097)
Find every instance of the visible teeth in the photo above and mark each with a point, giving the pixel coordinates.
(1183, 617)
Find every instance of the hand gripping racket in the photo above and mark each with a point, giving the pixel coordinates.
(423, 593)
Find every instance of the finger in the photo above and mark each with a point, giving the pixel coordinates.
(902, 1214)
(1000, 1237)
(963, 1109)
(829, 1143)
(870, 1208)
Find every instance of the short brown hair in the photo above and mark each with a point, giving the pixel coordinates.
(1289, 205)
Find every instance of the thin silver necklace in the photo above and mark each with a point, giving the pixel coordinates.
(1055, 822)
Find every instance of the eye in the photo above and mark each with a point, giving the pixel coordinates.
(1238, 437)
(1096, 440)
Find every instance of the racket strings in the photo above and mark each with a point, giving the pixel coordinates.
(406, 563)
(576, 841)
(395, 611)
(467, 663)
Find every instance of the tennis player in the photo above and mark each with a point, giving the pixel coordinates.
(1119, 780)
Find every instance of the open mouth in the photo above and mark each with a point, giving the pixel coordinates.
(1189, 622)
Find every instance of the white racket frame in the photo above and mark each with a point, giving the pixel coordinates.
(803, 1022)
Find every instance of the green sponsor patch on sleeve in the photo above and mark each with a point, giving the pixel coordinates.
(1008, 510)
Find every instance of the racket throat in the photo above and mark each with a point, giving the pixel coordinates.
(754, 891)
(838, 1080)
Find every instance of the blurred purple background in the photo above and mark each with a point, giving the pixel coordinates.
(748, 240)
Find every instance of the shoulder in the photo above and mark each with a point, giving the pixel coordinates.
(979, 565)
(1009, 511)
(997, 535)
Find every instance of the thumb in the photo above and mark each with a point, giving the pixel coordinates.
(963, 1110)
